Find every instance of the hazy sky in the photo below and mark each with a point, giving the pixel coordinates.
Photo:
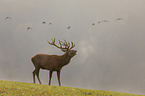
(111, 55)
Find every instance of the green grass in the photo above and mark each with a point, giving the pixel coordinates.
(10, 88)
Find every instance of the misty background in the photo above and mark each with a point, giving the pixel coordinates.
(111, 55)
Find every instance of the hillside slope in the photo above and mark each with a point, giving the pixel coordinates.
(10, 88)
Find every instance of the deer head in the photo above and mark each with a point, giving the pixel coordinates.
(65, 47)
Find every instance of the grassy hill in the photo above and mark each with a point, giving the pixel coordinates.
(10, 88)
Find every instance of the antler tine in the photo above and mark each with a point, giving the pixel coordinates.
(48, 42)
(63, 45)
(60, 43)
(66, 44)
(73, 45)
(52, 41)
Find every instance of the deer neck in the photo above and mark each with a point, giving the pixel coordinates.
(66, 59)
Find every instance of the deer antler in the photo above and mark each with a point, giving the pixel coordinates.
(73, 45)
(63, 45)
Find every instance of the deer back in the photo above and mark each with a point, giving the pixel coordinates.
(44, 61)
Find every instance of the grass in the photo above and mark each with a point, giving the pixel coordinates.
(10, 88)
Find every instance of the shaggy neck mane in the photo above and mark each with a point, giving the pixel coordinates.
(66, 58)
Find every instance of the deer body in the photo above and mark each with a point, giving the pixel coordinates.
(51, 62)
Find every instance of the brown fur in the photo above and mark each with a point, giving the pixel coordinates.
(52, 63)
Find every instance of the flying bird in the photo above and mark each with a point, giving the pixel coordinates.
(28, 28)
(93, 23)
(43, 22)
(119, 19)
(68, 27)
(99, 21)
(50, 23)
(8, 18)
(105, 21)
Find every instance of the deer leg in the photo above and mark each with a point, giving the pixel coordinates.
(37, 74)
(50, 75)
(34, 76)
(58, 76)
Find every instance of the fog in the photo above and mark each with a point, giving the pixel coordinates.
(111, 55)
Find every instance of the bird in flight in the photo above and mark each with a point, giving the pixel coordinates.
(43, 22)
(8, 18)
(28, 28)
(119, 19)
(105, 21)
(50, 23)
(99, 21)
(68, 27)
(93, 24)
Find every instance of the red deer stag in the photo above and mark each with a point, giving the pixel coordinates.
(53, 62)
